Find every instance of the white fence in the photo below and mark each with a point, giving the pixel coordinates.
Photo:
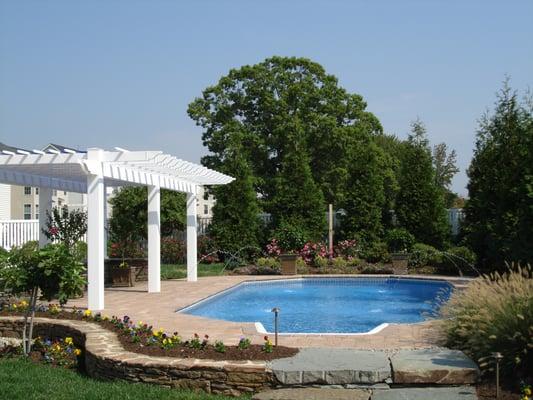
(16, 232)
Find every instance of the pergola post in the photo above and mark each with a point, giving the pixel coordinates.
(154, 239)
(45, 204)
(95, 234)
(192, 262)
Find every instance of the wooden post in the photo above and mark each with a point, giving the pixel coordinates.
(330, 229)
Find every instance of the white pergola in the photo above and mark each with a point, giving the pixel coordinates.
(90, 172)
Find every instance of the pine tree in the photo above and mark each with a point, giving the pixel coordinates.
(420, 203)
(499, 212)
(235, 224)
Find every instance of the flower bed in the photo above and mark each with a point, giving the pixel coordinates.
(142, 338)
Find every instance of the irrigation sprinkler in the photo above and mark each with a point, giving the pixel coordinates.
(276, 311)
(498, 357)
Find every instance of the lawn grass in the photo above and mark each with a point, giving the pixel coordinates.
(25, 380)
(179, 271)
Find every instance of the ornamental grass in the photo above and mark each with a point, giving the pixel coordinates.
(494, 314)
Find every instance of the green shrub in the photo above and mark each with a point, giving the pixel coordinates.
(423, 255)
(172, 251)
(339, 262)
(399, 240)
(320, 262)
(290, 237)
(300, 263)
(353, 261)
(79, 251)
(268, 262)
(494, 314)
(457, 259)
(376, 269)
(375, 252)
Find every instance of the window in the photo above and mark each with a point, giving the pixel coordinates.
(37, 190)
(27, 190)
(27, 211)
(37, 211)
(206, 209)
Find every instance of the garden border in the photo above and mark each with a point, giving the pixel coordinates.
(105, 358)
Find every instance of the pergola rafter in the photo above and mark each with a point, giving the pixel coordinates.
(89, 172)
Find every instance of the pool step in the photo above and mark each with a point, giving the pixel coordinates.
(329, 366)
(433, 393)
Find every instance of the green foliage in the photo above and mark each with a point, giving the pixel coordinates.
(494, 314)
(399, 240)
(298, 200)
(235, 222)
(320, 262)
(268, 262)
(65, 226)
(374, 252)
(53, 270)
(499, 213)
(339, 262)
(128, 223)
(420, 203)
(79, 251)
(266, 106)
(369, 174)
(423, 255)
(290, 237)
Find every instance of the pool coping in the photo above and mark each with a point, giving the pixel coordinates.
(260, 329)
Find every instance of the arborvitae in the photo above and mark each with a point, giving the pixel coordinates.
(235, 223)
(499, 212)
(420, 203)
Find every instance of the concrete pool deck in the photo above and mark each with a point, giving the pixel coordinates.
(159, 310)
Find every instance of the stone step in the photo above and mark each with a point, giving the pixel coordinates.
(425, 393)
(318, 366)
(439, 366)
(312, 366)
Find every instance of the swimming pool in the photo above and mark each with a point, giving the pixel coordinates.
(327, 305)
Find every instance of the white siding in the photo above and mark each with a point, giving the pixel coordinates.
(5, 202)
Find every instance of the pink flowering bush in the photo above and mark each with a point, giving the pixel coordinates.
(273, 249)
(347, 249)
(312, 250)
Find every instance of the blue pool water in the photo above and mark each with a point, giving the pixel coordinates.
(327, 305)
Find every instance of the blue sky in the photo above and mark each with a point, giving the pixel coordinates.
(121, 73)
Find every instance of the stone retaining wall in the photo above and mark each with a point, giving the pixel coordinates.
(106, 358)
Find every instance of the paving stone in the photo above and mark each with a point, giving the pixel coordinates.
(435, 366)
(433, 393)
(313, 394)
(332, 366)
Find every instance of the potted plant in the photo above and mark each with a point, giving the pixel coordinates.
(122, 275)
(400, 242)
(289, 239)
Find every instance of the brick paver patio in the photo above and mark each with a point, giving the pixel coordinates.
(159, 310)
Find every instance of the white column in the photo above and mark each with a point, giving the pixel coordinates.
(45, 204)
(95, 236)
(154, 239)
(192, 263)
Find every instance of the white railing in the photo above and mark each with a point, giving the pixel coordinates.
(16, 232)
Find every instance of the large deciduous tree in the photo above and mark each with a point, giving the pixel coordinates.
(444, 163)
(420, 203)
(263, 104)
(499, 213)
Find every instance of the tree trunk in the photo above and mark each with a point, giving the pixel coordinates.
(28, 330)
(32, 317)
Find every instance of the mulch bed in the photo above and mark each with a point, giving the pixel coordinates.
(233, 353)
(486, 391)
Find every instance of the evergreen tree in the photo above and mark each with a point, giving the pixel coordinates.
(369, 174)
(420, 203)
(499, 213)
(298, 200)
(235, 224)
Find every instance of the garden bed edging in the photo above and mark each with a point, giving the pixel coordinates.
(105, 358)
